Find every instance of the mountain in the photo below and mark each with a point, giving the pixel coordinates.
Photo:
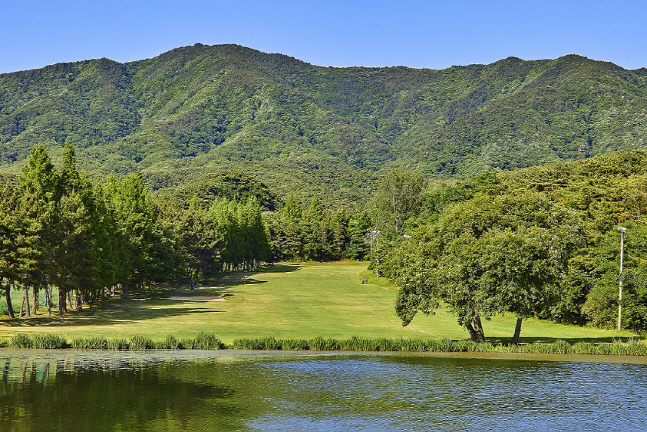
(297, 126)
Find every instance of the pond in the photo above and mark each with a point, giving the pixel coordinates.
(177, 391)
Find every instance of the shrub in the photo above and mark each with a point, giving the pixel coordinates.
(139, 342)
(368, 344)
(207, 341)
(21, 341)
(186, 343)
(49, 341)
(295, 344)
(258, 344)
(321, 344)
(170, 343)
(118, 344)
(97, 342)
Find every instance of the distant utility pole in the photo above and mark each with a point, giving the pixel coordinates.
(374, 237)
(622, 247)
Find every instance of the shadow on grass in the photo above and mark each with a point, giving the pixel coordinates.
(113, 312)
(151, 304)
(237, 278)
(280, 268)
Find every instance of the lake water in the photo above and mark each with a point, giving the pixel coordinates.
(164, 391)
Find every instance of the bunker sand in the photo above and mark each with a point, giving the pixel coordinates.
(196, 298)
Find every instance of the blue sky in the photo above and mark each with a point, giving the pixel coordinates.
(418, 34)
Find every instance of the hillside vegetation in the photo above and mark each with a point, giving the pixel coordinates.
(293, 125)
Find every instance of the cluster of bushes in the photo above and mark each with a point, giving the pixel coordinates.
(208, 341)
(44, 341)
(136, 342)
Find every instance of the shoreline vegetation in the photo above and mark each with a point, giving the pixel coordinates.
(209, 341)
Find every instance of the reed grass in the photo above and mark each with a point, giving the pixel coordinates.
(209, 341)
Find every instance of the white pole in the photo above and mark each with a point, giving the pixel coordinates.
(622, 246)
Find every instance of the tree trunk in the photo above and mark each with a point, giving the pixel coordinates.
(62, 308)
(48, 299)
(78, 300)
(7, 295)
(27, 301)
(517, 331)
(35, 307)
(475, 330)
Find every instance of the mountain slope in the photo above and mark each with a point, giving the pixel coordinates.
(199, 108)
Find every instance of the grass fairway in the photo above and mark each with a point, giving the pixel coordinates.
(284, 301)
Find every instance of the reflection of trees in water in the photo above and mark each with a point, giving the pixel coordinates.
(113, 394)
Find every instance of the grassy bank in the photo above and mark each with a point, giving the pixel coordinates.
(285, 302)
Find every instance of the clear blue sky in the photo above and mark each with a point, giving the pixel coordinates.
(430, 34)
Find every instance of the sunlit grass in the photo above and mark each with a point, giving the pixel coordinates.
(287, 301)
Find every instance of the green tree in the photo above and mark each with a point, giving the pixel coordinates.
(398, 198)
(359, 226)
(488, 256)
(39, 194)
(19, 243)
(73, 251)
(291, 210)
(198, 242)
(136, 219)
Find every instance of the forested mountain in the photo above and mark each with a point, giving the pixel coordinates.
(296, 126)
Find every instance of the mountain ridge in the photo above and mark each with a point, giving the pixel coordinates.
(201, 108)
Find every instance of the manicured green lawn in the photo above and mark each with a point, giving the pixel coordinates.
(283, 301)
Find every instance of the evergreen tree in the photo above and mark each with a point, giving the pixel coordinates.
(39, 194)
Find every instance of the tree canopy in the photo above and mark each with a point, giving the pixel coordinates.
(487, 256)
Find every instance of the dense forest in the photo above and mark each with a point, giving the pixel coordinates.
(317, 130)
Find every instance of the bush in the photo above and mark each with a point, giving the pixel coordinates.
(258, 344)
(295, 344)
(21, 341)
(369, 344)
(139, 342)
(97, 342)
(49, 341)
(118, 344)
(207, 341)
(170, 343)
(186, 343)
(321, 344)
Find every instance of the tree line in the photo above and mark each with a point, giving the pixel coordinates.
(59, 229)
(62, 233)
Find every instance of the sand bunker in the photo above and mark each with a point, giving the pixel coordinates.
(197, 298)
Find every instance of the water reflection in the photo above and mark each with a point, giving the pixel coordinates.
(318, 393)
(111, 395)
